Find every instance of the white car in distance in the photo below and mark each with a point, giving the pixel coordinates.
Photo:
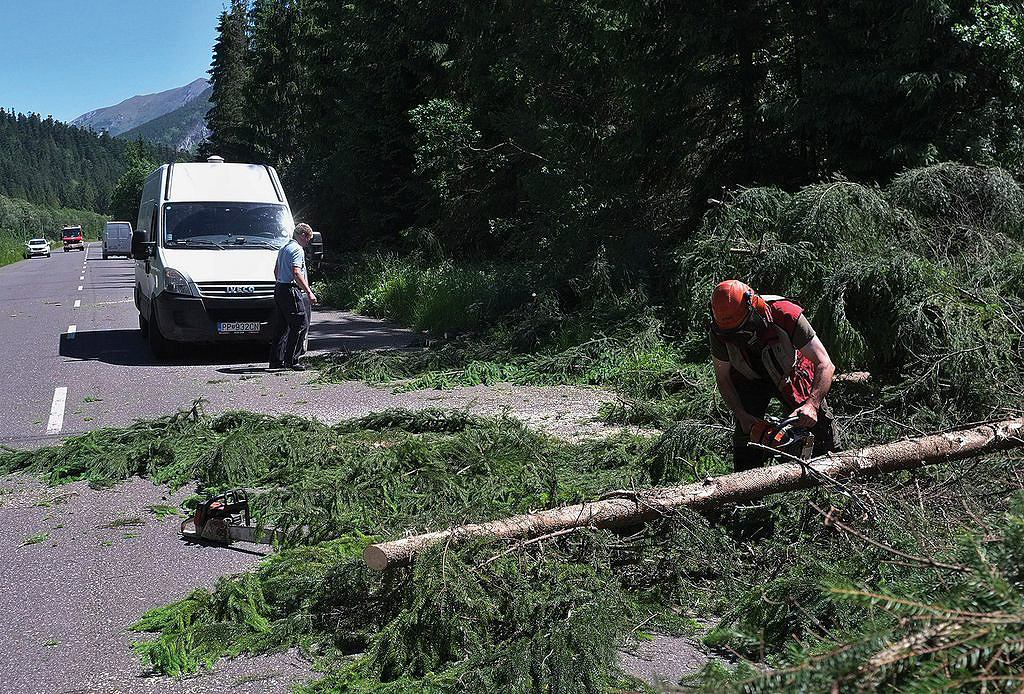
(36, 247)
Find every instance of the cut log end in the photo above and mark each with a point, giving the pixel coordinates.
(375, 558)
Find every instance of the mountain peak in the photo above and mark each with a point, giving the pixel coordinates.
(137, 110)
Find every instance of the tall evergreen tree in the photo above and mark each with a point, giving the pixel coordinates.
(370, 67)
(227, 120)
(127, 191)
(278, 42)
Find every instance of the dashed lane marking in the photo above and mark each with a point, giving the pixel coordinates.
(71, 331)
(78, 303)
(56, 423)
(79, 287)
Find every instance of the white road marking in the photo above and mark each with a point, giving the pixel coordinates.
(78, 303)
(81, 278)
(56, 423)
(79, 287)
(71, 331)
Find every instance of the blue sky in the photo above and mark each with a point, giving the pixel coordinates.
(64, 58)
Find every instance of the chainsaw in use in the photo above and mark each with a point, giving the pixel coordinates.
(225, 519)
(783, 435)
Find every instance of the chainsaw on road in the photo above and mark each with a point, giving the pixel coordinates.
(225, 519)
(783, 435)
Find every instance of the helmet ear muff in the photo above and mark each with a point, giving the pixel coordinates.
(759, 313)
(755, 303)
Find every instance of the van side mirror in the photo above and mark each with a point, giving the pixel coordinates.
(142, 247)
(316, 246)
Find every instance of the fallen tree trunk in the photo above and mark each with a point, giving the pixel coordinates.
(647, 505)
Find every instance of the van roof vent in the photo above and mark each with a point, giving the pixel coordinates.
(215, 159)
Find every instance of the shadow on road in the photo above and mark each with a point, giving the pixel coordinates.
(242, 370)
(220, 545)
(331, 331)
(127, 348)
(334, 331)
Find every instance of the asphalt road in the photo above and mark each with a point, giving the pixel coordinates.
(80, 566)
(69, 329)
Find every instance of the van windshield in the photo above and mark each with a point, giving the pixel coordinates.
(216, 224)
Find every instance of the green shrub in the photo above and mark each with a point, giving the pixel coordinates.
(887, 288)
(11, 250)
(345, 279)
(949, 195)
(441, 298)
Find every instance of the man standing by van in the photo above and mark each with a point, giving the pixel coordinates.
(293, 297)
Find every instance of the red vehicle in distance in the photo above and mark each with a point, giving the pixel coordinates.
(73, 240)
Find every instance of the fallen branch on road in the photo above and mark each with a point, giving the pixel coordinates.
(647, 505)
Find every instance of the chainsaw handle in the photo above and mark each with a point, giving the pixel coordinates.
(788, 423)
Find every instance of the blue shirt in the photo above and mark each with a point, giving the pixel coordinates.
(290, 256)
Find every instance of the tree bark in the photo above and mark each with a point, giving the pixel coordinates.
(646, 505)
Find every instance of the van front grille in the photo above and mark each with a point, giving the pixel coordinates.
(236, 290)
(262, 315)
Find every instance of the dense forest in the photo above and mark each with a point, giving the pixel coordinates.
(569, 129)
(57, 165)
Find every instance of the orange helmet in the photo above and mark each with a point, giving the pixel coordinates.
(732, 302)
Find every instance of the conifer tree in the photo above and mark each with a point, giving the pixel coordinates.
(229, 72)
(127, 191)
(279, 65)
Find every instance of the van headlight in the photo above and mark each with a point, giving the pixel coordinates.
(177, 283)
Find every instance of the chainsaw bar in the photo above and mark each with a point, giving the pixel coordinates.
(220, 531)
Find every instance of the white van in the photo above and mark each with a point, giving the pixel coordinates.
(117, 239)
(205, 246)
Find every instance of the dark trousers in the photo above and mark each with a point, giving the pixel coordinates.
(291, 325)
(756, 395)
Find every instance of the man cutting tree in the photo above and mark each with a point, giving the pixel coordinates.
(764, 348)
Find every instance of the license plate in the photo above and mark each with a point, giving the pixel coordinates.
(238, 327)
